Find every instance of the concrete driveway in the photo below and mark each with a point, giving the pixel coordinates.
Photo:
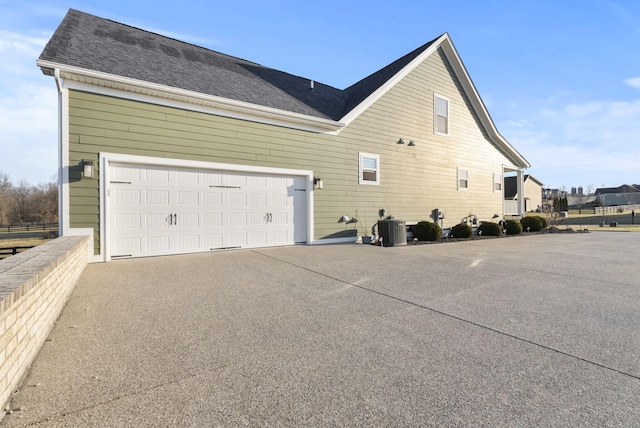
(527, 331)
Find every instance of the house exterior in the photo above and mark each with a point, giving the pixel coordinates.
(621, 195)
(193, 150)
(532, 191)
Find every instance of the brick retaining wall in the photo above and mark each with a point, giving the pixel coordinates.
(34, 287)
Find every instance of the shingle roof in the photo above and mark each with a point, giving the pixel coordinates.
(625, 188)
(86, 41)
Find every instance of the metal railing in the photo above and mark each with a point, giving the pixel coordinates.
(12, 251)
(34, 227)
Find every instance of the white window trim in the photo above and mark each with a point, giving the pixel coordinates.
(498, 179)
(361, 156)
(435, 115)
(459, 170)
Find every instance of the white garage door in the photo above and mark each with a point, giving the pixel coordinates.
(161, 210)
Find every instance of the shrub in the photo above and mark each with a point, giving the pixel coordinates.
(489, 229)
(462, 230)
(543, 220)
(514, 227)
(531, 223)
(620, 210)
(427, 231)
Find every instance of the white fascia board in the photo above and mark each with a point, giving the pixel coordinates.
(471, 91)
(378, 93)
(124, 87)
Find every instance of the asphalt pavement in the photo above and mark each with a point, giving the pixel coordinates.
(526, 331)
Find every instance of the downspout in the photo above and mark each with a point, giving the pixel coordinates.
(61, 212)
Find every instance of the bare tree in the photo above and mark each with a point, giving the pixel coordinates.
(5, 200)
(27, 203)
(44, 202)
(20, 195)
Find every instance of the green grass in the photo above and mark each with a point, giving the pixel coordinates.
(593, 221)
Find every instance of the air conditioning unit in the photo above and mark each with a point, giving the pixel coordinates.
(392, 232)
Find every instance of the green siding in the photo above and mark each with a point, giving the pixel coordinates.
(414, 180)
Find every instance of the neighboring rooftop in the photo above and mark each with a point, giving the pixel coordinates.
(90, 42)
(625, 188)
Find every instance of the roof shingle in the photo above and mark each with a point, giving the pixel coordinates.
(86, 41)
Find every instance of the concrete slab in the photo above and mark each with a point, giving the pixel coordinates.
(538, 330)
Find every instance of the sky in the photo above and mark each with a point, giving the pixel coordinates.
(560, 79)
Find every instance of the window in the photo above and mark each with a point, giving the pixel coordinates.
(497, 182)
(463, 179)
(369, 169)
(441, 115)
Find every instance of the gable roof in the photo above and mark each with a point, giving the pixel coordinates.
(84, 46)
(625, 188)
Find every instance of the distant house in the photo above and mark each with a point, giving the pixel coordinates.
(532, 191)
(621, 195)
(167, 147)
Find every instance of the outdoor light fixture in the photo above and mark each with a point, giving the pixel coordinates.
(87, 168)
(401, 141)
(318, 183)
(411, 143)
(344, 219)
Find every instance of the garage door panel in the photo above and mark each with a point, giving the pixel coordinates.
(157, 221)
(188, 177)
(212, 220)
(237, 239)
(212, 178)
(158, 244)
(234, 179)
(165, 210)
(189, 242)
(258, 238)
(281, 236)
(126, 173)
(238, 199)
(258, 199)
(257, 218)
(128, 221)
(212, 241)
(257, 181)
(157, 197)
(238, 219)
(155, 175)
(128, 246)
(279, 200)
(188, 198)
(212, 198)
(127, 197)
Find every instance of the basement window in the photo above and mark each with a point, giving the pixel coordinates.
(369, 171)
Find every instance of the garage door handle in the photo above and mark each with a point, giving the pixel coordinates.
(173, 219)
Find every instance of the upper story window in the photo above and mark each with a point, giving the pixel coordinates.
(463, 179)
(497, 182)
(441, 114)
(369, 170)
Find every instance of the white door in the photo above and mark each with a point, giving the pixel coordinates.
(160, 210)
